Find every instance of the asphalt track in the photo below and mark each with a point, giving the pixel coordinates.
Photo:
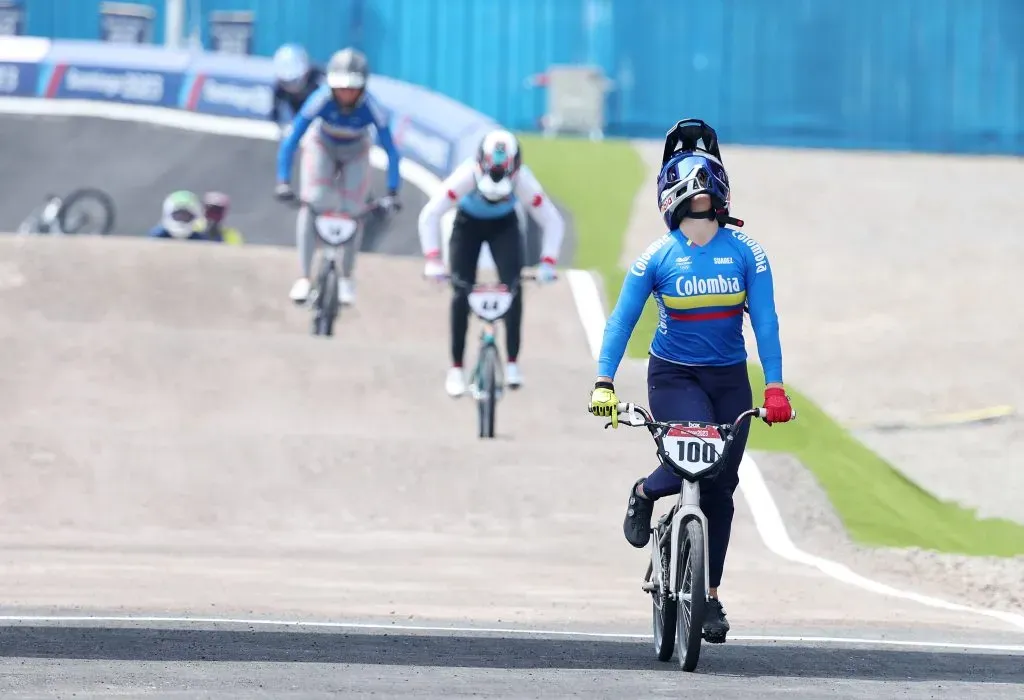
(140, 164)
(173, 443)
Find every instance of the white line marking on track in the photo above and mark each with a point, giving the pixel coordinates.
(505, 631)
(767, 519)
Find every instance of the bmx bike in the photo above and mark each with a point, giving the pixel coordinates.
(334, 229)
(489, 302)
(677, 575)
(87, 210)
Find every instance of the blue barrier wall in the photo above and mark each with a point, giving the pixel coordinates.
(943, 75)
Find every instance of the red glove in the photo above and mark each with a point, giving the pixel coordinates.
(777, 406)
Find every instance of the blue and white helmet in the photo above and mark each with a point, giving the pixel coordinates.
(683, 177)
(291, 64)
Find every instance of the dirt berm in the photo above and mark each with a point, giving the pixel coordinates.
(170, 434)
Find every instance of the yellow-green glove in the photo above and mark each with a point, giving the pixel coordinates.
(604, 403)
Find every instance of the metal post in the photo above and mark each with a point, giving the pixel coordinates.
(174, 23)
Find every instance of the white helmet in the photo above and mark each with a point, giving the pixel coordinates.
(497, 164)
(291, 64)
(181, 211)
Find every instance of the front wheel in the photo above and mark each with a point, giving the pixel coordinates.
(326, 307)
(487, 391)
(664, 607)
(692, 596)
(87, 211)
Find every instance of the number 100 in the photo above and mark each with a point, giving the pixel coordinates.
(694, 452)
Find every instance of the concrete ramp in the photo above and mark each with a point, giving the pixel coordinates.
(139, 164)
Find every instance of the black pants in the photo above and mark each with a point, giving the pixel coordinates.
(502, 235)
(713, 394)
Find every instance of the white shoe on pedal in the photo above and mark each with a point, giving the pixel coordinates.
(300, 290)
(455, 382)
(513, 377)
(346, 291)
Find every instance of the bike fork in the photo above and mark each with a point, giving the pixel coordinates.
(689, 507)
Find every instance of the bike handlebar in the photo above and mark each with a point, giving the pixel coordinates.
(371, 207)
(647, 421)
(527, 275)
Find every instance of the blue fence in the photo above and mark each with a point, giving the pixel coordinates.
(944, 75)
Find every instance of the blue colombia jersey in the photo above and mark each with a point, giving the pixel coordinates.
(340, 127)
(700, 292)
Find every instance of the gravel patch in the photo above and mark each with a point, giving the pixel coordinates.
(982, 582)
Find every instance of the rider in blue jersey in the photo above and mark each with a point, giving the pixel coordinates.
(702, 276)
(344, 112)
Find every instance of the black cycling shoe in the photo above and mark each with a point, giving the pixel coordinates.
(637, 525)
(715, 624)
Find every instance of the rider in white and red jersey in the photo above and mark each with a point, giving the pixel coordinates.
(485, 191)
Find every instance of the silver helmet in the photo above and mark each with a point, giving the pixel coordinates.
(348, 68)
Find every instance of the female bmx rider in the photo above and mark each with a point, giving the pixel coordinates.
(700, 274)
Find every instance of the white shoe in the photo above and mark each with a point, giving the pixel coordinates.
(300, 290)
(346, 291)
(513, 377)
(455, 382)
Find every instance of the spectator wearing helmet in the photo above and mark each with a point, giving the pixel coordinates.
(295, 79)
(215, 209)
(182, 218)
(345, 112)
(701, 275)
(485, 191)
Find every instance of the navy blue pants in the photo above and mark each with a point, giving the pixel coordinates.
(713, 394)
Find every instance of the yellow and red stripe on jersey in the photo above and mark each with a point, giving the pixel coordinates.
(705, 299)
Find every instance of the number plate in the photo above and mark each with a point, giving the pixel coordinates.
(490, 302)
(694, 448)
(335, 229)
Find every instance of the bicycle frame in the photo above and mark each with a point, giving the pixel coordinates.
(688, 502)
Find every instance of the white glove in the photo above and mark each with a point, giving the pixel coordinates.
(434, 268)
(546, 272)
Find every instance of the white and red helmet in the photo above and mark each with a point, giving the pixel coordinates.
(497, 164)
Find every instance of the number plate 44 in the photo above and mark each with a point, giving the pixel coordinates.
(490, 302)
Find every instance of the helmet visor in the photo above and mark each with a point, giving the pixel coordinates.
(346, 79)
(183, 216)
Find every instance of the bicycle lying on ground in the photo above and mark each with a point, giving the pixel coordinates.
(677, 575)
(489, 302)
(334, 229)
(87, 210)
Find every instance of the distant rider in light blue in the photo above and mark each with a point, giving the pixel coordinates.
(344, 111)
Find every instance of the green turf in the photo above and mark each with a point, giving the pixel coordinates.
(878, 505)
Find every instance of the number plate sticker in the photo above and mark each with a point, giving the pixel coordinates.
(335, 229)
(490, 302)
(694, 448)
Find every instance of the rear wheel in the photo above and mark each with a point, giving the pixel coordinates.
(87, 211)
(664, 608)
(692, 595)
(487, 388)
